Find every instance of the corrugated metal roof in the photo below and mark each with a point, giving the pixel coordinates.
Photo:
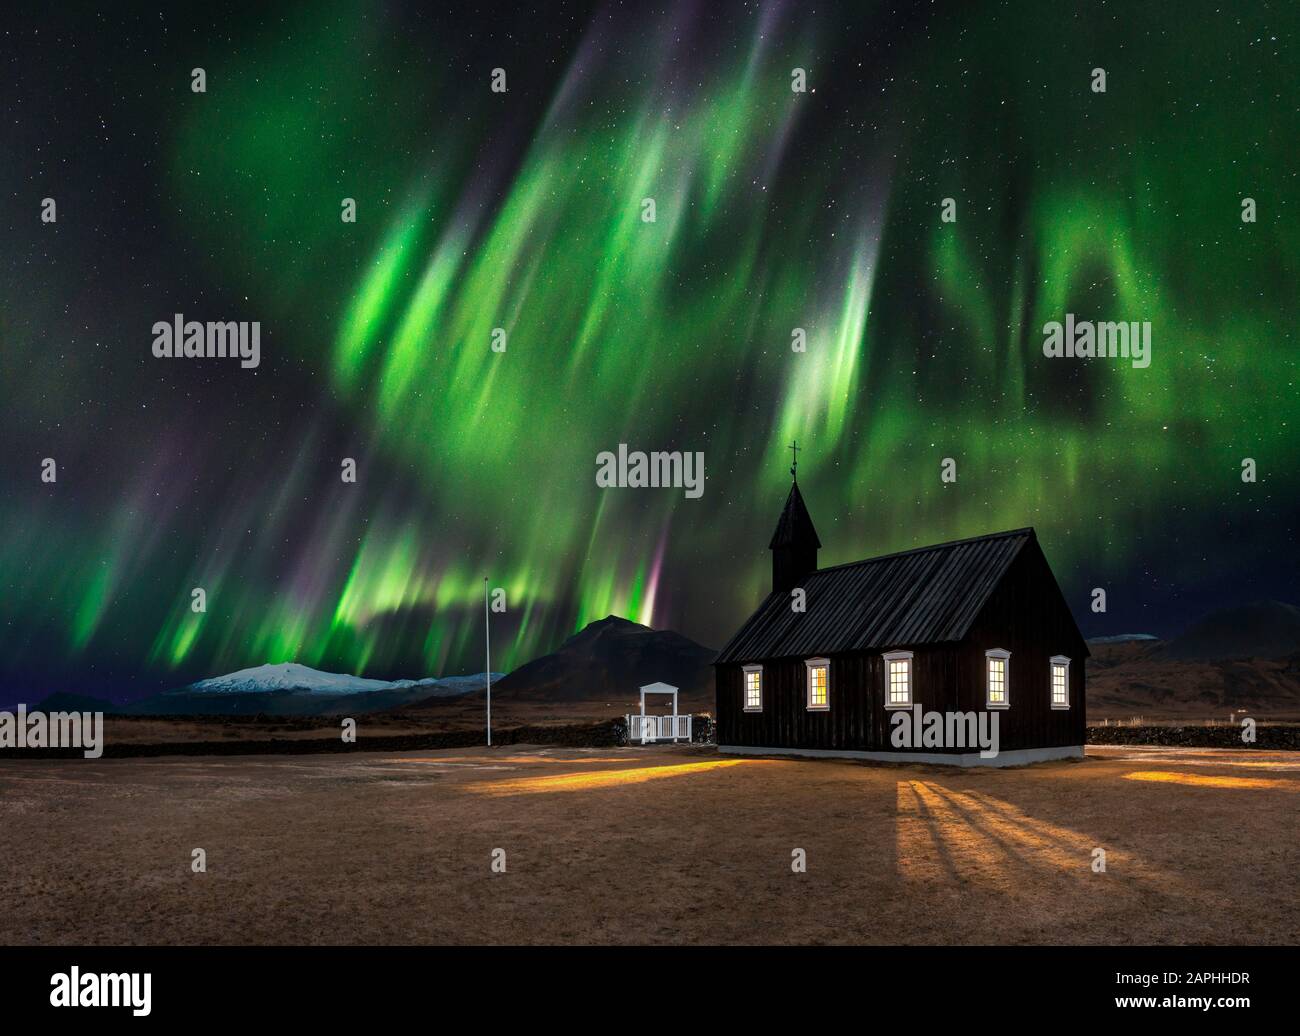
(929, 595)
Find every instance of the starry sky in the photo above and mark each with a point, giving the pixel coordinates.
(522, 210)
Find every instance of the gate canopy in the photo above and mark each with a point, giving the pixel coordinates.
(658, 688)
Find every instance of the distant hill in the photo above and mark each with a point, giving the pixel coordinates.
(1138, 680)
(1265, 629)
(65, 701)
(608, 661)
(1244, 659)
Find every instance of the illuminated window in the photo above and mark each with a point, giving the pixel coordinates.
(819, 683)
(998, 662)
(1060, 682)
(898, 679)
(753, 688)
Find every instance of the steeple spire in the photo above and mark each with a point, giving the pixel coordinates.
(795, 544)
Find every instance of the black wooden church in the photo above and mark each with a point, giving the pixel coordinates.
(963, 628)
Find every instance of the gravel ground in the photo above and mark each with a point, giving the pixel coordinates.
(650, 845)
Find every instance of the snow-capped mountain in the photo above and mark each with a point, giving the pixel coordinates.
(292, 676)
(293, 689)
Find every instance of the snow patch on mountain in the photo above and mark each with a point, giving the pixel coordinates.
(293, 676)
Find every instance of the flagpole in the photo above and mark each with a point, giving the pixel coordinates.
(487, 649)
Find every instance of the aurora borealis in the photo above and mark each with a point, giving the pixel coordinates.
(522, 211)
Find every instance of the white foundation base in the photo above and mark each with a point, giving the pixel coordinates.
(1019, 757)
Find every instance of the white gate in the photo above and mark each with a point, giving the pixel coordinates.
(645, 728)
(658, 728)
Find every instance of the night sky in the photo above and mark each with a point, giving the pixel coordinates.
(522, 210)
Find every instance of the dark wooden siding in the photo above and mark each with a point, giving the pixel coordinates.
(857, 719)
(1026, 615)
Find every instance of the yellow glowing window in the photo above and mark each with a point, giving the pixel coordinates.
(1060, 682)
(819, 684)
(754, 689)
(997, 681)
(898, 679)
(900, 682)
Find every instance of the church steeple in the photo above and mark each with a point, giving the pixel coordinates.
(795, 544)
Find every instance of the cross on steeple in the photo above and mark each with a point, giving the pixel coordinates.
(795, 544)
(794, 456)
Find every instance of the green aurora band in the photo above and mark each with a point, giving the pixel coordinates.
(775, 211)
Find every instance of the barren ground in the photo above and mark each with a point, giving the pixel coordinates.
(439, 716)
(650, 845)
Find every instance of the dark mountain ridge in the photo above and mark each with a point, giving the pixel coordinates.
(609, 660)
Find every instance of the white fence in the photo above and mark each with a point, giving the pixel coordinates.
(658, 728)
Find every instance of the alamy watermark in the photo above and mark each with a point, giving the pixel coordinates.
(656, 470)
(916, 728)
(23, 729)
(73, 988)
(216, 339)
(1107, 339)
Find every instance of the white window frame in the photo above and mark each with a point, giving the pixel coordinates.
(1056, 660)
(1005, 656)
(899, 656)
(745, 688)
(809, 665)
